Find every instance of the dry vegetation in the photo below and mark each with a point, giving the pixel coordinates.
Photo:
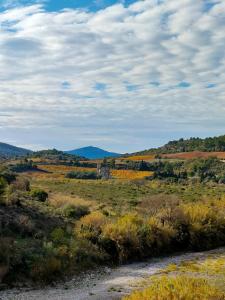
(190, 280)
(85, 223)
(194, 154)
(148, 157)
(130, 174)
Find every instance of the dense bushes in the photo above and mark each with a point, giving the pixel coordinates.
(23, 166)
(191, 226)
(82, 175)
(98, 239)
(200, 169)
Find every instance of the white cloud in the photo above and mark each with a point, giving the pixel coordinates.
(140, 54)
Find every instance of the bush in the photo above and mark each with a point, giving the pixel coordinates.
(82, 175)
(125, 234)
(156, 238)
(21, 184)
(207, 225)
(39, 195)
(90, 226)
(75, 211)
(15, 198)
(46, 269)
(3, 185)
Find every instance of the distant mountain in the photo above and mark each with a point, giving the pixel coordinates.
(7, 150)
(92, 153)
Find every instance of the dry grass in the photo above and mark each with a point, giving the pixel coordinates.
(130, 174)
(59, 200)
(55, 171)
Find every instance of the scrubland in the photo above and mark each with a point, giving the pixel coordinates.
(82, 224)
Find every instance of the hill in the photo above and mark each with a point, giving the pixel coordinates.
(210, 144)
(7, 150)
(91, 152)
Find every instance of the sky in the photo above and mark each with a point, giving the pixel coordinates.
(121, 75)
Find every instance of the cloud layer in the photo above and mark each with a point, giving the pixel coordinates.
(122, 78)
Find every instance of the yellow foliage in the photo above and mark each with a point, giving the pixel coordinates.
(90, 226)
(124, 232)
(130, 174)
(62, 168)
(159, 234)
(56, 171)
(178, 288)
(198, 212)
(140, 157)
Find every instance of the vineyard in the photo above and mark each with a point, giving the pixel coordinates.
(130, 174)
(194, 154)
(140, 157)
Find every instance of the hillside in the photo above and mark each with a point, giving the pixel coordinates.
(91, 152)
(210, 144)
(7, 150)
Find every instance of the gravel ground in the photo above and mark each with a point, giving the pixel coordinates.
(107, 284)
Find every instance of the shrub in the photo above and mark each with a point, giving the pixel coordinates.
(156, 238)
(207, 225)
(88, 254)
(8, 176)
(46, 269)
(23, 166)
(125, 234)
(5, 253)
(3, 185)
(180, 287)
(90, 226)
(21, 184)
(14, 198)
(75, 211)
(39, 195)
(82, 175)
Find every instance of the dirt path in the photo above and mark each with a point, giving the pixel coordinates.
(107, 284)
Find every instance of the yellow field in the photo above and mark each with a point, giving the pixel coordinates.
(140, 157)
(59, 172)
(56, 171)
(62, 168)
(130, 174)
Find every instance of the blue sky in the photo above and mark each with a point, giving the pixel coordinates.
(121, 75)
(56, 5)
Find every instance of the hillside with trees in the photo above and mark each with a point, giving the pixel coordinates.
(209, 144)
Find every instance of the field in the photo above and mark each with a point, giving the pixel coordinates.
(140, 157)
(130, 174)
(180, 155)
(122, 193)
(194, 154)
